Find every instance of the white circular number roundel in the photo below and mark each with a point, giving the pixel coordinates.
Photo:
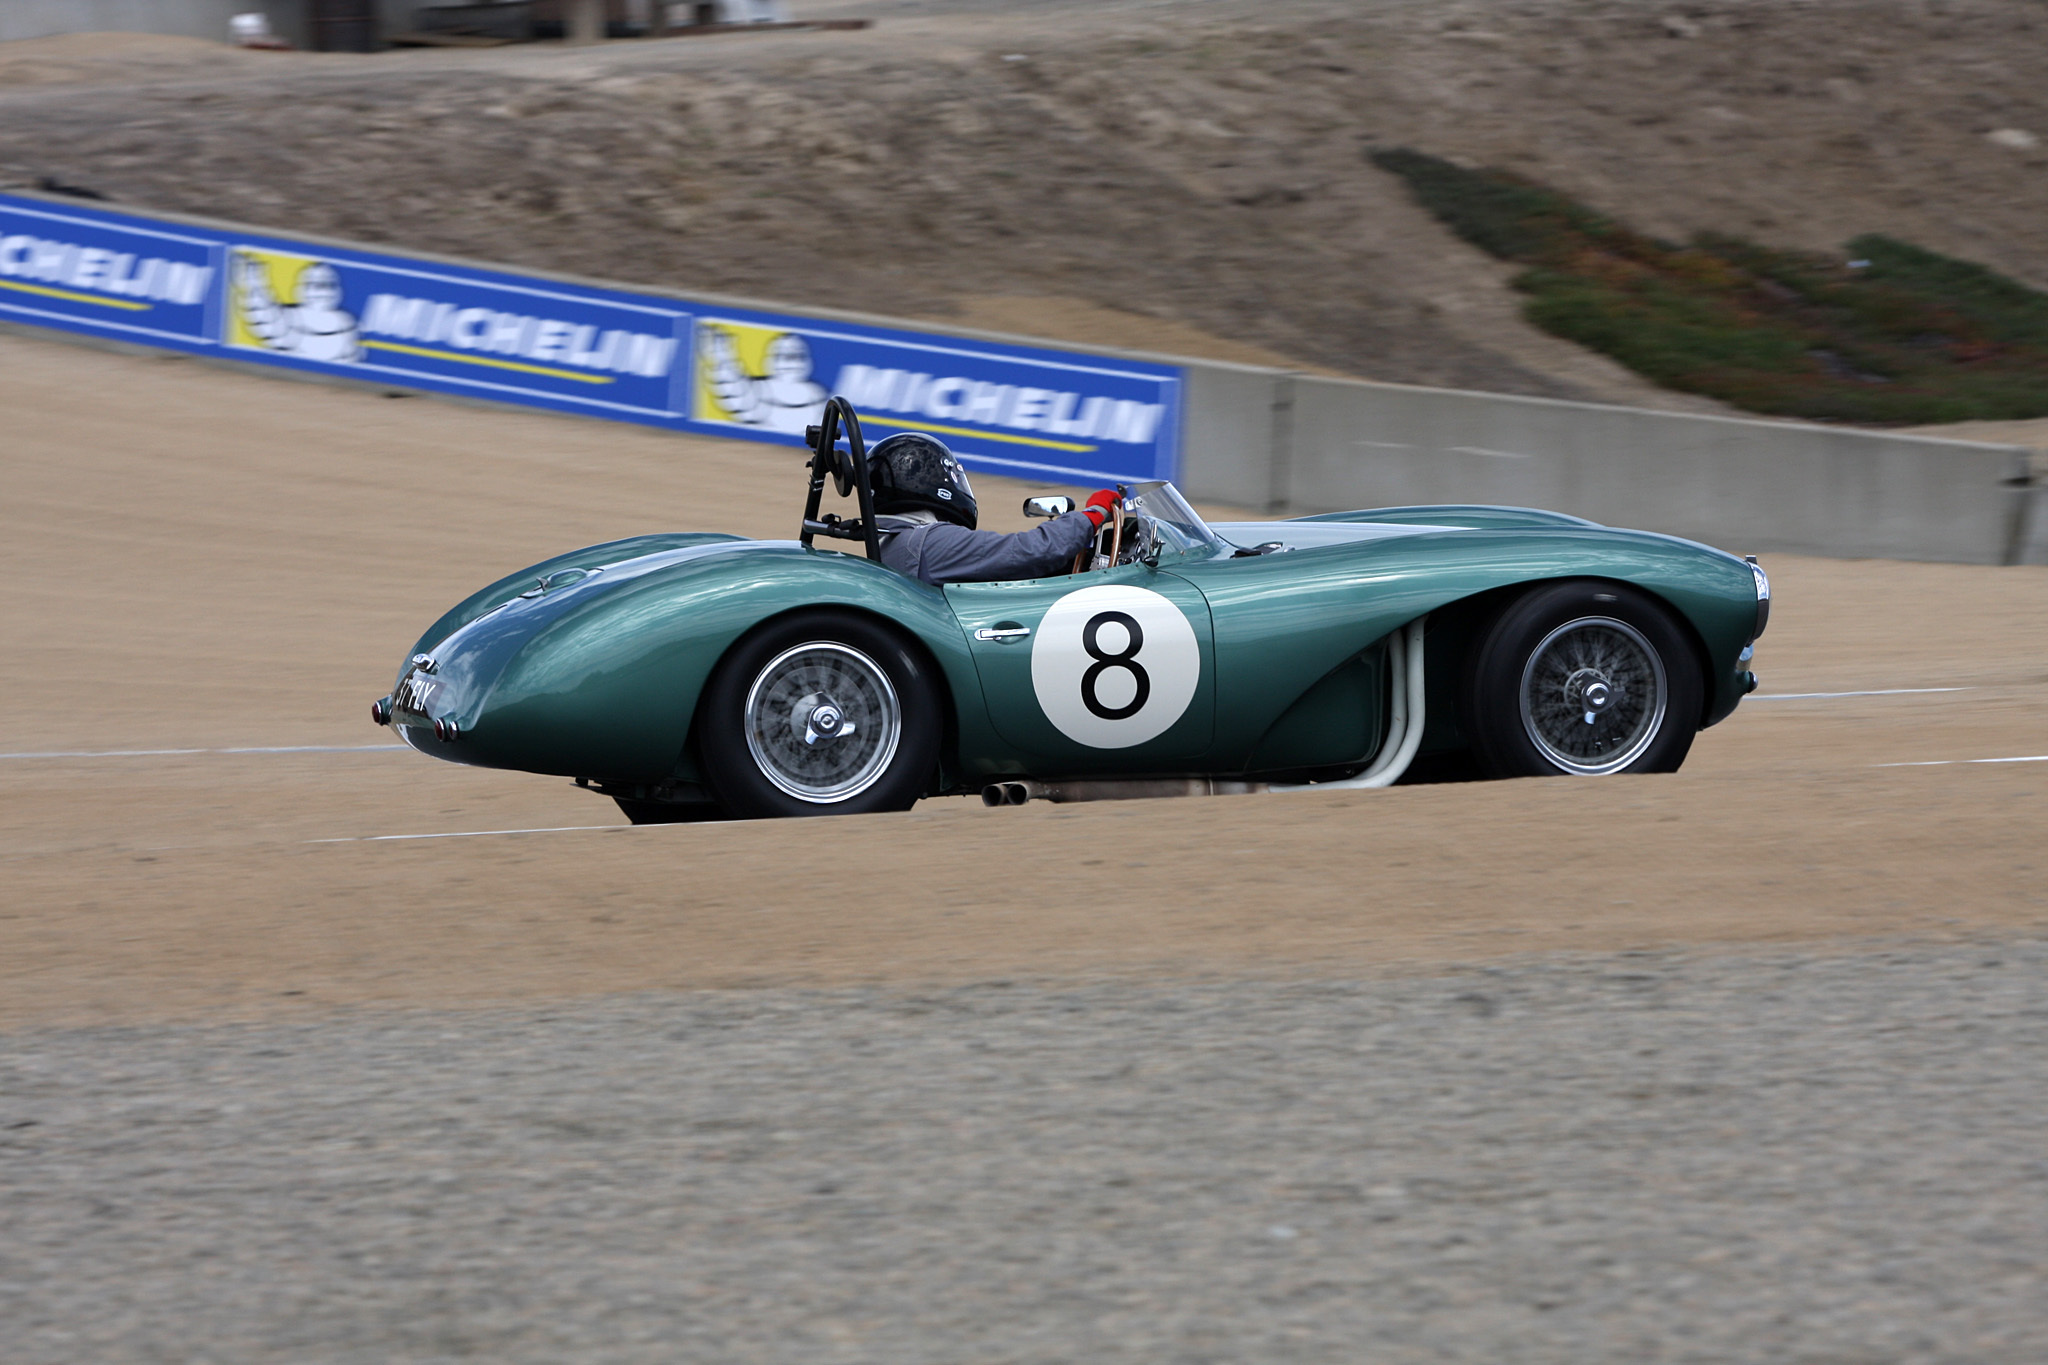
(1114, 666)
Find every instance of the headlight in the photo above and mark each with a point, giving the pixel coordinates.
(1763, 594)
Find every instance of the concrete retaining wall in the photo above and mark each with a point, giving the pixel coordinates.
(1285, 442)
(1232, 426)
(1337, 444)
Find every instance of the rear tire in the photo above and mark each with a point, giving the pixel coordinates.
(820, 713)
(1568, 651)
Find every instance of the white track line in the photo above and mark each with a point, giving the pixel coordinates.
(1880, 692)
(164, 753)
(392, 748)
(466, 834)
(1950, 762)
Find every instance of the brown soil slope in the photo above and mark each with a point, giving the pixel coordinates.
(1197, 163)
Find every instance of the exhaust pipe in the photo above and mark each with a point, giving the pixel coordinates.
(1017, 793)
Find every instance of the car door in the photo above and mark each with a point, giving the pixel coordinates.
(1097, 672)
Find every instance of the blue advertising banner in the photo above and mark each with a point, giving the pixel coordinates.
(91, 273)
(1007, 409)
(576, 348)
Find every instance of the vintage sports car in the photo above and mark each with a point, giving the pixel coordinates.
(694, 676)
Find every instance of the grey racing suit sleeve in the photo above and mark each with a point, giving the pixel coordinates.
(941, 552)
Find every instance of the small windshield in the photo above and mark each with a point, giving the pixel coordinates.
(1179, 524)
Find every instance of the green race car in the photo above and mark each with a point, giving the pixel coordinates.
(694, 675)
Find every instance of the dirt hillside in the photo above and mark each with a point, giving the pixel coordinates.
(1198, 164)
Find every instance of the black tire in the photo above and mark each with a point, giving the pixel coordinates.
(667, 812)
(1565, 651)
(880, 738)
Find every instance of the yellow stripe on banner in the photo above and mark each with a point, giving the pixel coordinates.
(130, 304)
(984, 435)
(519, 365)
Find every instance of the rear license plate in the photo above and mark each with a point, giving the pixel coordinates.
(414, 693)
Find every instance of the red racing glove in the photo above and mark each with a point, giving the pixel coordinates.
(1100, 506)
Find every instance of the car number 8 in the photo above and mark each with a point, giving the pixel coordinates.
(1141, 681)
(1088, 673)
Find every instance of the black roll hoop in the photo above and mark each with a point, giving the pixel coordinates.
(848, 470)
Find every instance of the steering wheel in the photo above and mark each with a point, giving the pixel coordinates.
(1130, 539)
(1140, 539)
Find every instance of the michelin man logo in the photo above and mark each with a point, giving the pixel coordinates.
(756, 377)
(289, 305)
(1114, 665)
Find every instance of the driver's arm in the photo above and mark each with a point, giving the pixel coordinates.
(954, 554)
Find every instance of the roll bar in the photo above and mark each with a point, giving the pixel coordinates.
(848, 470)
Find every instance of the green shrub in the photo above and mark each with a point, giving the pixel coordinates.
(1891, 334)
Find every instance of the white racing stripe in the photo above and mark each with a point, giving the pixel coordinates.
(164, 753)
(471, 834)
(1880, 692)
(1951, 762)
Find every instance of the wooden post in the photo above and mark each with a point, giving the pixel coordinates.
(586, 21)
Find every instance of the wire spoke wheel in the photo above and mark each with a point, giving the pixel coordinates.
(1593, 695)
(822, 722)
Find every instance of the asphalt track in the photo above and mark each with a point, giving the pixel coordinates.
(1702, 1067)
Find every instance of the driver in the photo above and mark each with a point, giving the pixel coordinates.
(925, 515)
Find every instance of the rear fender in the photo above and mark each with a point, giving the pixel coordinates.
(509, 587)
(609, 688)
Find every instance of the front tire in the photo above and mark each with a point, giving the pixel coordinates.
(1582, 679)
(820, 713)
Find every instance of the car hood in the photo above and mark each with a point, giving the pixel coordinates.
(1311, 535)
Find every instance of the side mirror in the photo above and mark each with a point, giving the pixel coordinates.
(1048, 507)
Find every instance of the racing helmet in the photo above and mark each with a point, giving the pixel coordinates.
(913, 472)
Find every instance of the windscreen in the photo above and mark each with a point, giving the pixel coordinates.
(1179, 524)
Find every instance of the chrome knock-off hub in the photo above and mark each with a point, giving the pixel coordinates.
(1591, 693)
(824, 720)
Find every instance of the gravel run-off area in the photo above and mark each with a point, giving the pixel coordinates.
(1627, 1158)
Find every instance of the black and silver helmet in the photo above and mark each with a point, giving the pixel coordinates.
(913, 472)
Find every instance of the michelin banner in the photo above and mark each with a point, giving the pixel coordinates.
(576, 348)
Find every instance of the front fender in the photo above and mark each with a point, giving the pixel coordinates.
(1284, 622)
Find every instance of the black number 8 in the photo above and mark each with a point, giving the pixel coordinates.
(1127, 660)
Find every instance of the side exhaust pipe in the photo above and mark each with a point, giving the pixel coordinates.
(1017, 793)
